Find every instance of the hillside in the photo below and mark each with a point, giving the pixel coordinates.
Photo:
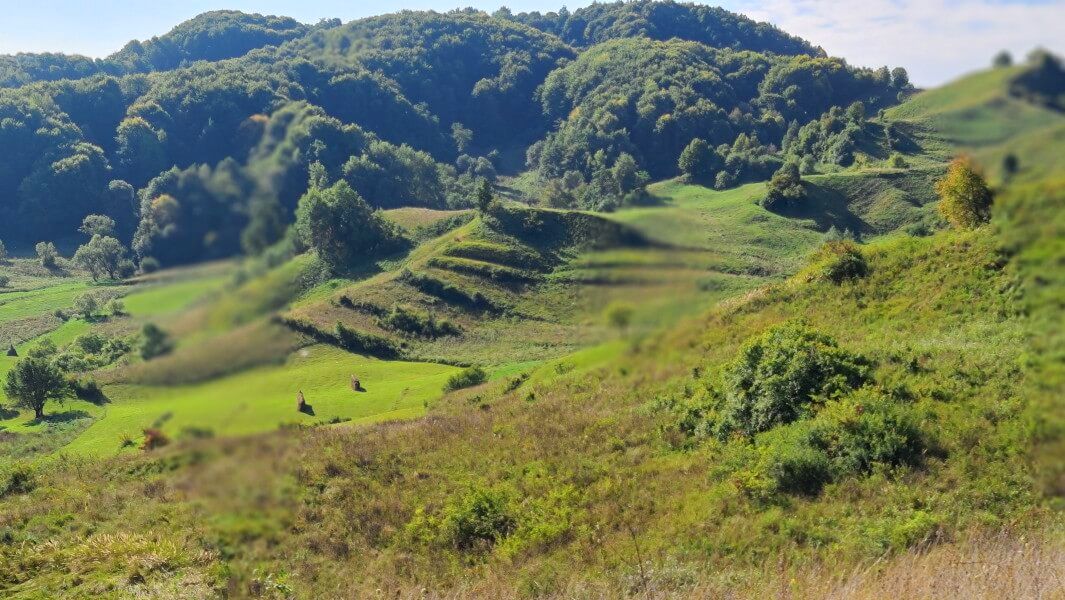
(641, 300)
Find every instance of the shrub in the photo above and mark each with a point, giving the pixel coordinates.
(86, 305)
(4, 280)
(619, 315)
(465, 378)
(149, 265)
(836, 262)
(154, 342)
(472, 521)
(867, 428)
(115, 307)
(154, 438)
(897, 161)
(416, 323)
(792, 462)
(17, 478)
(780, 374)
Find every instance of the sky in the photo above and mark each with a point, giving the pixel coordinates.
(936, 40)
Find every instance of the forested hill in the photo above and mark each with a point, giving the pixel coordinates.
(199, 143)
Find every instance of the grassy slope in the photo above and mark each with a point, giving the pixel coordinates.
(579, 443)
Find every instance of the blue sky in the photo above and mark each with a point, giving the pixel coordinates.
(935, 40)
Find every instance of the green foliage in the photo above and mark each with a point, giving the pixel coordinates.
(102, 256)
(353, 340)
(417, 323)
(712, 26)
(468, 377)
(86, 305)
(341, 227)
(47, 254)
(836, 261)
(619, 315)
(964, 197)
(781, 375)
(471, 522)
(785, 189)
(94, 225)
(33, 381)
(697, 161)
(154, 342)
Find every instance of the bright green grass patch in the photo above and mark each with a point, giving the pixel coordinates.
(169, 298)
(31, 303)
(264, 398)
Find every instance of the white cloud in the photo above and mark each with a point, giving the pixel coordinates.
(936, 40)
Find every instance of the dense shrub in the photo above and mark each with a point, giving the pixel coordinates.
(779, 376)
(418, 323)
(154, 342)
(784, 189)
(836, 261)
(465, 378)
(472, 521)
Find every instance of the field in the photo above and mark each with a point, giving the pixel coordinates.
(264, 398)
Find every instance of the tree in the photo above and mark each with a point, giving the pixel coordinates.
(266, 225)
(47, 254)
(338, 224)
(34, 381)
(697, 161)
(784, 188)
(3, 252)
(900, 79)
(154, 341)
(964, 197)
(619, 315)
(93, 225)
(1002, 59)
(484, 197)
(103, 255)
(86, 305)
(461, 136)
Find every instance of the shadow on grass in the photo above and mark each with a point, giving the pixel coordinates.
(61, 417)
(7, 413)
(307, 409)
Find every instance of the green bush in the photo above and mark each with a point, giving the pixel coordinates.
(836, 261)
(414, 322)
(465, 378)
(154, 342)
(470, 522)
(865, 429)
(792, 462)
(780, 374)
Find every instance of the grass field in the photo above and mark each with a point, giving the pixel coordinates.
(263, 399)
